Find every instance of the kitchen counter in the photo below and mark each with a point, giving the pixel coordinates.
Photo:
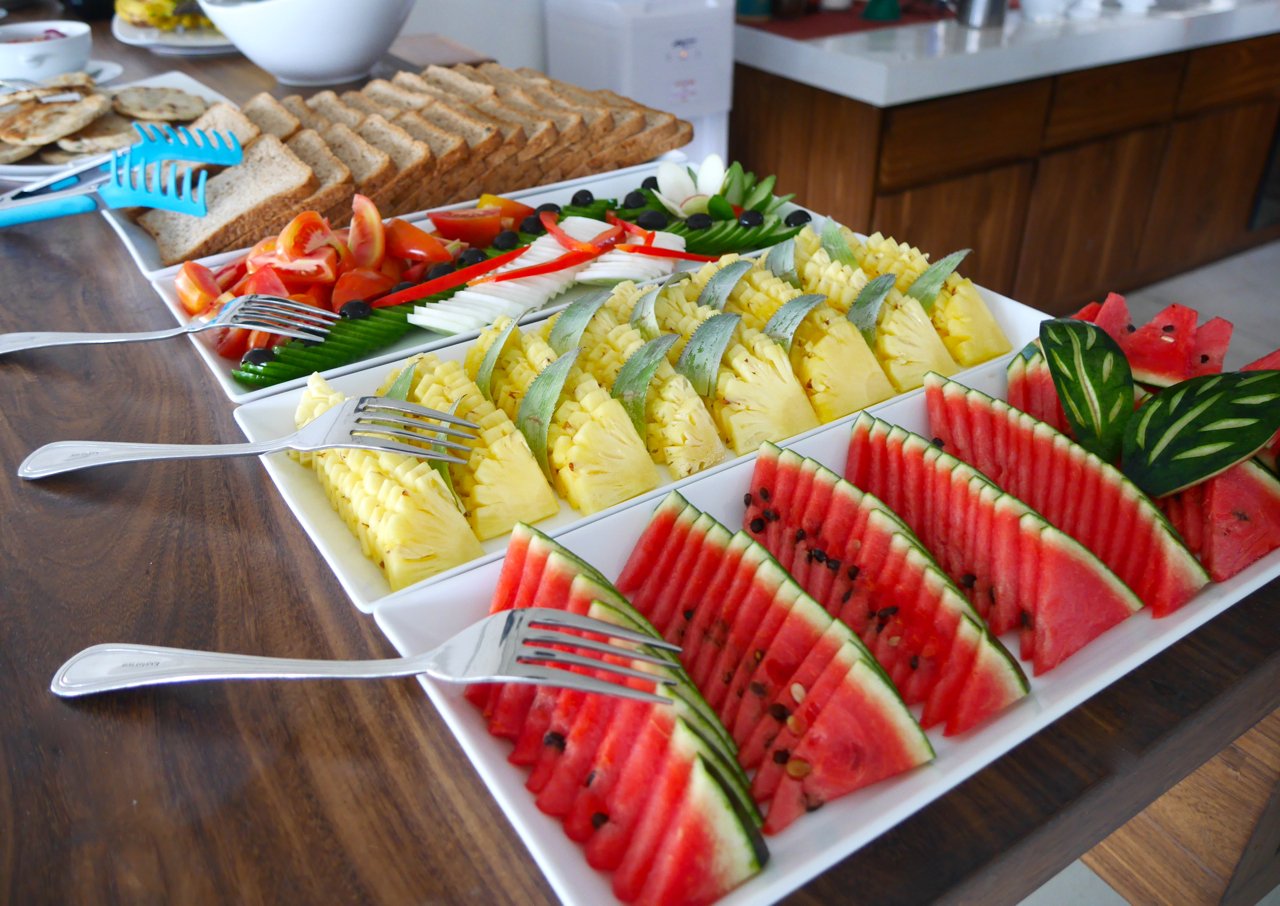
(891, 66)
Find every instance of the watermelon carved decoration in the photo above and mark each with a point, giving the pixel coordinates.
(926, 286)
(1199, 428)
(1093, 381)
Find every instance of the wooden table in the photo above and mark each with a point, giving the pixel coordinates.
(350, 792)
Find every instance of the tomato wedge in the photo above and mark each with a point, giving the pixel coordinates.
(477, 227)
(304, 234)
(265, 281)
(404, 240)
(231, 273)
(368, 239)
(360, 283)
(197, 287)
(318, 267)
(512, 211)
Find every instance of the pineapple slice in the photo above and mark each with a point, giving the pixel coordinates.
(907, 345)
(965, 324)
(398, 506)
(679, 431)
(501, 483)
(838, 282)
(757, 396)
(884, 255)
(517, 366)
(837, 369)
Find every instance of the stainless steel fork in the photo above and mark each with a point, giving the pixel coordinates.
(274, 314)
(375, 423)
(530, 645)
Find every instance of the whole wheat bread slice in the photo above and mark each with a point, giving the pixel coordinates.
(271, 116)
(412, 159)
(251, 196)
(307, 117)
(451, 153)
(334, 109)
(332, 197)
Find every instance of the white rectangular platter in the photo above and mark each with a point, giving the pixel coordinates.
(606, 185)
(418, 619)
(272, 416)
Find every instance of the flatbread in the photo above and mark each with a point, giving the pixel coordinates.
(164, 104)
(11, 153)
(58, 157)
(36, 123)
(106, 133)
(73, 80)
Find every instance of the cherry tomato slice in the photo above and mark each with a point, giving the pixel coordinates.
(360, 283)
(196, 287)
(476, 227)
(231, 273)
(318, 267)
(512, 211)
(368, 236)
(404, 240)
(304, 234)
(265, 281)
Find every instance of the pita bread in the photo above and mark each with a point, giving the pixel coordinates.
(72, 80)
(106, 133)
(34, 123)
(11, 154)
(165, 104)
(55, 155)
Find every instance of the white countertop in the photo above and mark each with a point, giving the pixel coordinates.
(890, 66)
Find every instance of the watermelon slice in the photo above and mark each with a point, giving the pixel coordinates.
(1113, 317)
(1210, 347)
(1031, 390)
(1089, 312)
(767, 637)
(1028, 574)
(1160, 351)
(1049, 471)
(653, 792)
(906, 611)
(1231, 520)
(1271, 452)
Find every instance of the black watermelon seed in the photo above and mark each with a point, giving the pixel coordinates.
(852, 572)
(1241, 515)
(591, 778)
(889, 611)
(1168, 328)
(834, 565)
(1026, 619)
(757, 525)
(819, 555)
(757, 689)
(727, 678)
(599, 820)
(1204, 357)
(811, 804)
(844, 598)
(746, 499)
(781, 756)
(801, 534)
(915, 662)
(554, 739)
(779, 712)
(771, 515)
(1129, 328)
(765, 495)
(968, 580)
(688, 614)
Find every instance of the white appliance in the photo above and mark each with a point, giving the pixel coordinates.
(674, 55)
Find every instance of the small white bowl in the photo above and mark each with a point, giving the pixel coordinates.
(27, 53)
(311, 42)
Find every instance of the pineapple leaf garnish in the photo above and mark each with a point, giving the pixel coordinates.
(836, 245)
(1200, 427)
(700, 360)
(631, 386)
(533, 418)
(400, 390)
(786, 320)
(567, 332)
(644, 315)
(1094, 383)
(865, 310)
(781, 262)
(925, 289)
(484, 376)
(716, 293)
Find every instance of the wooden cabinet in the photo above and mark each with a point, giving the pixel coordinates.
(1065, 187)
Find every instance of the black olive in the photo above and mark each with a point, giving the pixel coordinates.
(650, 183)
(402, 285)
(797, 218)
(260, 356)
(635, 200)
(751, 219)
(582, 198)
(440, 270)
(652, 220)
(548, 206)
(532, 225)
(355, 309)
(472, 256)
(699, 222)
(506, 240)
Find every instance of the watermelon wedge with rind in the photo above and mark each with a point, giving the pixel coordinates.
(1230, 521)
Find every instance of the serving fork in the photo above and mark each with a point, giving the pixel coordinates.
(283, 317)
(529, 645)
(375, 423)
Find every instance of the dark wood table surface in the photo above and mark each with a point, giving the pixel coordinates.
(347, 792)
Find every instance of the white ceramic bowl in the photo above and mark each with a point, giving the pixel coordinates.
(311, 42)
(26, 52)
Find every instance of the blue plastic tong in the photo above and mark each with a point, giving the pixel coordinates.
(120, 179)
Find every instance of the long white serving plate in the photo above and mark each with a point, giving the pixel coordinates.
(418, 619)
(605, 185)
(272, 416)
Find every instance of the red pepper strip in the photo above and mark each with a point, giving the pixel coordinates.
(448, 281)
(553, 228)
(628, 226)
(657, 251)
(568, 259)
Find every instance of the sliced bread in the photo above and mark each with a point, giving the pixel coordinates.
(371, 168)
(332, 197)
(411, 158)
(222, 117)
(308, 117)
(335, 109)
(271, 116)
(452, 156)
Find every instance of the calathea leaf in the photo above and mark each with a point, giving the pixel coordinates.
(1094, 383)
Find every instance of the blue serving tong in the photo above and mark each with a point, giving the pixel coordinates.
(121, 179)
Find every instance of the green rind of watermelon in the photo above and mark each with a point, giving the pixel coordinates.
(1134, 539)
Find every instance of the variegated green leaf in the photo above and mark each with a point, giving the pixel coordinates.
(782, 327)
(865, 310)
(533, 418)
(716, 293)
(571, 323)
(836, 245)
(1195, 429)
(700, 360)
(399, 389)
(781, 262)
(484, 376)
(644, 314)
(1094, 383)
(631, 386)
(925, 288)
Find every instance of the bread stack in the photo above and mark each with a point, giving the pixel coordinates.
(418, 140)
